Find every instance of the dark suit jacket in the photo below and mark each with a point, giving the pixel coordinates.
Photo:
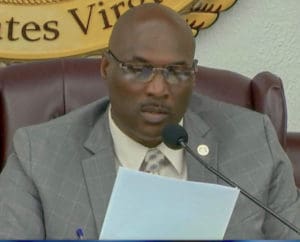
(61, 173)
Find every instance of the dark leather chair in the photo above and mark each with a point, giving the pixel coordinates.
(35, 92)
(293, 151)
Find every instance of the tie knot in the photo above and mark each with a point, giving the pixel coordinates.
(154, 160)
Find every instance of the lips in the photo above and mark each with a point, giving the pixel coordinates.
(154, 113)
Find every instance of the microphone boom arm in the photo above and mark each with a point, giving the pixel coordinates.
(233, 184)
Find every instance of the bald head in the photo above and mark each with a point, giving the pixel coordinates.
(151, 26)
(153, 85)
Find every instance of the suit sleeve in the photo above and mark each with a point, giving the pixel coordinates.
(21, 215)
(284, 196)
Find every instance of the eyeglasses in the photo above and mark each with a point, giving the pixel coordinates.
(173, 74)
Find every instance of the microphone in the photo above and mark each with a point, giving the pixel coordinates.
(176, 137)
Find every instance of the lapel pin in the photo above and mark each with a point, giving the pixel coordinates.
(203, 150)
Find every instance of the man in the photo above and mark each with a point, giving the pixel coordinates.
(61, 173)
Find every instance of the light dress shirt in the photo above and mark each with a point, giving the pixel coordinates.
(131, 154)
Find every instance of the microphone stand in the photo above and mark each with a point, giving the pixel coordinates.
(233, 184)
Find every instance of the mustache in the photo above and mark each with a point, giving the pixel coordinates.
(155, 107)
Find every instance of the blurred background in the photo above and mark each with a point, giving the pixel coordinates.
(257, 35)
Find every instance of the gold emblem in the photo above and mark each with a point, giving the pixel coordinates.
(43, 29)
(201, 14)
(31, 2)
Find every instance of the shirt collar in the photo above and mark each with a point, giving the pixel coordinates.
(131, 153)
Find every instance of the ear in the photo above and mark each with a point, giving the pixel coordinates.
(194, 77)
(194, 81)
(104, 66)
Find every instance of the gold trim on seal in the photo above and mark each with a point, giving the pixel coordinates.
(31, 2)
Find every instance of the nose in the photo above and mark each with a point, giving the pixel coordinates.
(158, 86)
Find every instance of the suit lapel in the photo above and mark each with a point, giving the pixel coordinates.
(100, 169)
(200, 134)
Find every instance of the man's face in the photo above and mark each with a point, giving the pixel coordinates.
(142, 109)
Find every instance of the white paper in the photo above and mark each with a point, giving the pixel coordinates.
(144, 206)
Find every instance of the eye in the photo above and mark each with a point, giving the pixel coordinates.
(175, 69)
(180, 73)
(136, 69)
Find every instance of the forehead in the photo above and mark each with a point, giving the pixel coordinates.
(157, 41)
